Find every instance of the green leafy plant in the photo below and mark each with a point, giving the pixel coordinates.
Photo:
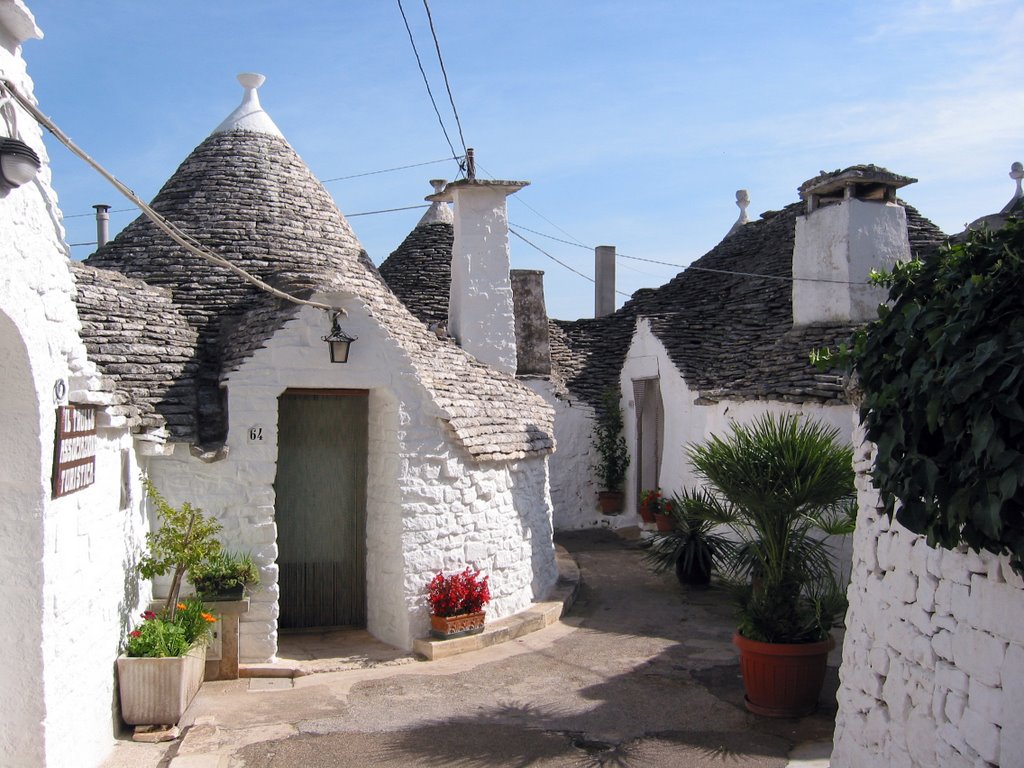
(161, 635)
(184, 539)
(780, 484)
(610, 442)
(224, 571)
(692, 547)
(943, 393)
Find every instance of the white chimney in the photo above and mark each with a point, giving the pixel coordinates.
(853, 224)
(481, 317)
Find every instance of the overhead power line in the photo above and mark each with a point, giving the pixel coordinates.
(426, 82)
(396, 168)
(444, 73)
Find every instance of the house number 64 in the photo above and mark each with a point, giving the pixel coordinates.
(255, 434)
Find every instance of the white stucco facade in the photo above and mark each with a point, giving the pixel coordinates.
(574, 486)
(429, 505)
(934, 651)
(68, 599)
(835, 249)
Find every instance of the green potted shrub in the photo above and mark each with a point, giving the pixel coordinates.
(612, 451)
(692, 548)
(224, 575)
(162, 666)
(781, 484)
(185, 538)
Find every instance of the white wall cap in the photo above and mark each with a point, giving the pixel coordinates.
(249, 115)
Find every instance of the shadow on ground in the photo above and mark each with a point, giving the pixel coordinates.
(649, 678)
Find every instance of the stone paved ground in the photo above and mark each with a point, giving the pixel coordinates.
(640, 673)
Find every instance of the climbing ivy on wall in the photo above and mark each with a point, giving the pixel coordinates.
(941, 372)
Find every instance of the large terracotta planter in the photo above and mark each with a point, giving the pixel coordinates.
(610, 501)
(782, 679)
(158, 691)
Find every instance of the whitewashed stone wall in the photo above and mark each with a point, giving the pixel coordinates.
(933, 660)
(68, 602)
(574, 485)
(429, 507)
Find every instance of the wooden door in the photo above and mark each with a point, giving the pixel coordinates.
(321, 508)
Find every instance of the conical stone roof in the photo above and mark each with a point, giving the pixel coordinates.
(245, 194)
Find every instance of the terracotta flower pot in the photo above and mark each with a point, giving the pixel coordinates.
(782, 679)
(447, 627)
(610, 501)
(647, 512)
(664, 522)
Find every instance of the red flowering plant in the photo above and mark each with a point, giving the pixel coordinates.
(458, 594)
(653, 502)
(160, 635)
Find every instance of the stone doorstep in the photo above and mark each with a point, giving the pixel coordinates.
(538, 616)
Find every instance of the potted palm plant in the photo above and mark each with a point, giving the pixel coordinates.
(612, 451)
(781, 485)
(692, 547)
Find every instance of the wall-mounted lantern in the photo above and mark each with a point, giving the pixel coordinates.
(338, 341)
(18, 162)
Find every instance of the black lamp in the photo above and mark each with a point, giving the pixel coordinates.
(18, 162)
(339, 341)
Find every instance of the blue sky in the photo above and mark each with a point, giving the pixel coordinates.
(634, 122)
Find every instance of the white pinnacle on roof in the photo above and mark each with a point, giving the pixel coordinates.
(439, 211)
(249, 115)
(1016, 173)
(742, 200)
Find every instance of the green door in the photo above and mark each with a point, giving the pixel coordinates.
(321, 508)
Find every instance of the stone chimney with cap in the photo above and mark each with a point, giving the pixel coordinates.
(481, 315)
(853, 224)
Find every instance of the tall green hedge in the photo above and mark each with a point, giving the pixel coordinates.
(941, 372)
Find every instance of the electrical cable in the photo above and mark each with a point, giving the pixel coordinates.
(183, 239)
(396, 168)
(426, 82)
(444, 73)
(557, 261)
(81, 215)
(552, 237)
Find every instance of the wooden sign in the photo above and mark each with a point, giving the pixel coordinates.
(74, 449)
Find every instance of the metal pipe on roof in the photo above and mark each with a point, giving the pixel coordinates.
(102, 224)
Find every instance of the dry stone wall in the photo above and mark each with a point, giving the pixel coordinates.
(933, 658)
